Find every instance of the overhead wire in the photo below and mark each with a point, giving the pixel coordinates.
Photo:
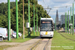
(54, 7)
(47, 7)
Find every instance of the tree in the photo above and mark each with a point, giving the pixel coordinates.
(4, 14)
(3, 21)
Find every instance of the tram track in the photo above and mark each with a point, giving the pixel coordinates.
(46, 45)
(67, 37)
(36, 45)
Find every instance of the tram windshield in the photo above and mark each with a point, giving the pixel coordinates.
(46, 25)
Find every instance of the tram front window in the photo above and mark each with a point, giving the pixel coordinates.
(46, 26)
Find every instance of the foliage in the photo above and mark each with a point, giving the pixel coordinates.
(4, 7)
(4, 11)
(3, 20)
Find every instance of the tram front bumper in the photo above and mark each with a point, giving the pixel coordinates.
(51, 35)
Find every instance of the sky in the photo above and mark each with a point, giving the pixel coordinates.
(5, 1)
(59, 5)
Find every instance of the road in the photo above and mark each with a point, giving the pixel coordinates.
(34, 44)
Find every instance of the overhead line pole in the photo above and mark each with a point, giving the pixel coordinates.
(73, 18)
(9, 21)
(55, 24)
(29, 17)
(16, 19)
(71, 21)
(34, 17)
(68, 21)
(65, 22)
(37, 20)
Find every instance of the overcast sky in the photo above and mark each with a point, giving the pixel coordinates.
(59, 5)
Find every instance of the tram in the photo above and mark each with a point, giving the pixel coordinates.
(46, 27)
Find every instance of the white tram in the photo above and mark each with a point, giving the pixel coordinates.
(46, 27)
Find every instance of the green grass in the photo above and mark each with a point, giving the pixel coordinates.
(21, 38)
(69, 36)
(61, 43)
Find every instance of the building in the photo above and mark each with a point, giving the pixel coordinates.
(63, 19)
(57, 19)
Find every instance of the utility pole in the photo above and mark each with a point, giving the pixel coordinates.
(16, 19)
(9, 29)
(73, 18)
(23, 22)
(34, 17)
(29, 17)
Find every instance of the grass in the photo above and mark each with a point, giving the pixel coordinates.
(69, 36)
(61, 43)
(20, 39)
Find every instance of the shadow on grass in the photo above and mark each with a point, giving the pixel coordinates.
(34, 37)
